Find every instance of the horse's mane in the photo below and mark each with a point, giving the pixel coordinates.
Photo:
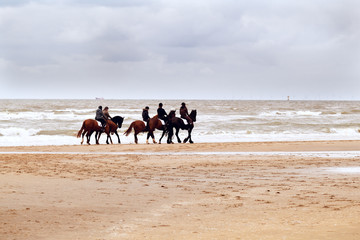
(193, 114)
(118, 120)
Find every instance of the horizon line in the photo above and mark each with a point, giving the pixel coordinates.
(181, 99)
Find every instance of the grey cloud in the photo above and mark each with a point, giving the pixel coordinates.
(232, 46)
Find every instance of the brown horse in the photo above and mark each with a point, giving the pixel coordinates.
(139, 126)
(114, 124)
(90, 126)
(110, 127)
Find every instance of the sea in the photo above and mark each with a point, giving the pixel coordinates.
(35, 122)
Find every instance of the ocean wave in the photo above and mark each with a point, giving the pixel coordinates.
(57, 121)
(43, 116)
(342, 131)
(65, 132)
(15, 131)
(289, 113)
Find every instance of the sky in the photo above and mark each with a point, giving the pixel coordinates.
(180, 49)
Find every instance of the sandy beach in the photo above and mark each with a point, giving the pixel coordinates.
(260, 190)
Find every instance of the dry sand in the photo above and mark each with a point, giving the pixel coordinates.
(147, 192)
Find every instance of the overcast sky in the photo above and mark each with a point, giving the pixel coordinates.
(165, 49)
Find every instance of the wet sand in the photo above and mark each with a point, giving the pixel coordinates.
(147, 192)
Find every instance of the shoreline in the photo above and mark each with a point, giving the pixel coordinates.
(274, 146)
(262, 190)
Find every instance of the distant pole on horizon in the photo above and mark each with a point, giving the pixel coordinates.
(288, 98)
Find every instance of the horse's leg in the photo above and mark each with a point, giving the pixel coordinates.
(117, 137)
(153, 137)
(177, 135)
(169, 138)
(82, 138)
(88, 135)
(190, 140)
(91, 135)
(187, 138)
(135, 136)
(147, 137)
(98, 138)
(189, 135)
(170, 135)
(162, 135)
(110, 138)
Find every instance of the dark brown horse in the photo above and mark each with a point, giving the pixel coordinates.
(178, 124)
(139, 126)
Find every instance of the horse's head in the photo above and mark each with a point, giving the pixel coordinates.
(118, 120)
(193, 115)
(171, 114)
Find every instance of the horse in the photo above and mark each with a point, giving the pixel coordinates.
(90, 126)
(114, 124)
(139, 126)
(178, 123)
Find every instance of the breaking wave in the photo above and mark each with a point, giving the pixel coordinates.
(54, 122)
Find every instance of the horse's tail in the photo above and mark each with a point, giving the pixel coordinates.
(128, 131)
(80, 131)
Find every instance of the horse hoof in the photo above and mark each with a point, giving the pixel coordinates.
(191, 142)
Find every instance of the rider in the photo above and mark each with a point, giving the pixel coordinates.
(162, 113)
(185, 114)
(146, 118)
(106, 113)
(100, 117)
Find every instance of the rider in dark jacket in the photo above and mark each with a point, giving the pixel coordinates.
(146, 118)
(162, 113)
(185, 114)
(100, 117)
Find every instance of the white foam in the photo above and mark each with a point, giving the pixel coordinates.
(19, 132)
(289, 113)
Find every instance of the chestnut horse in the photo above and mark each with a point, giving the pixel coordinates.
(178, 124)
(90, 126)
(139, 126)
(114, 124)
